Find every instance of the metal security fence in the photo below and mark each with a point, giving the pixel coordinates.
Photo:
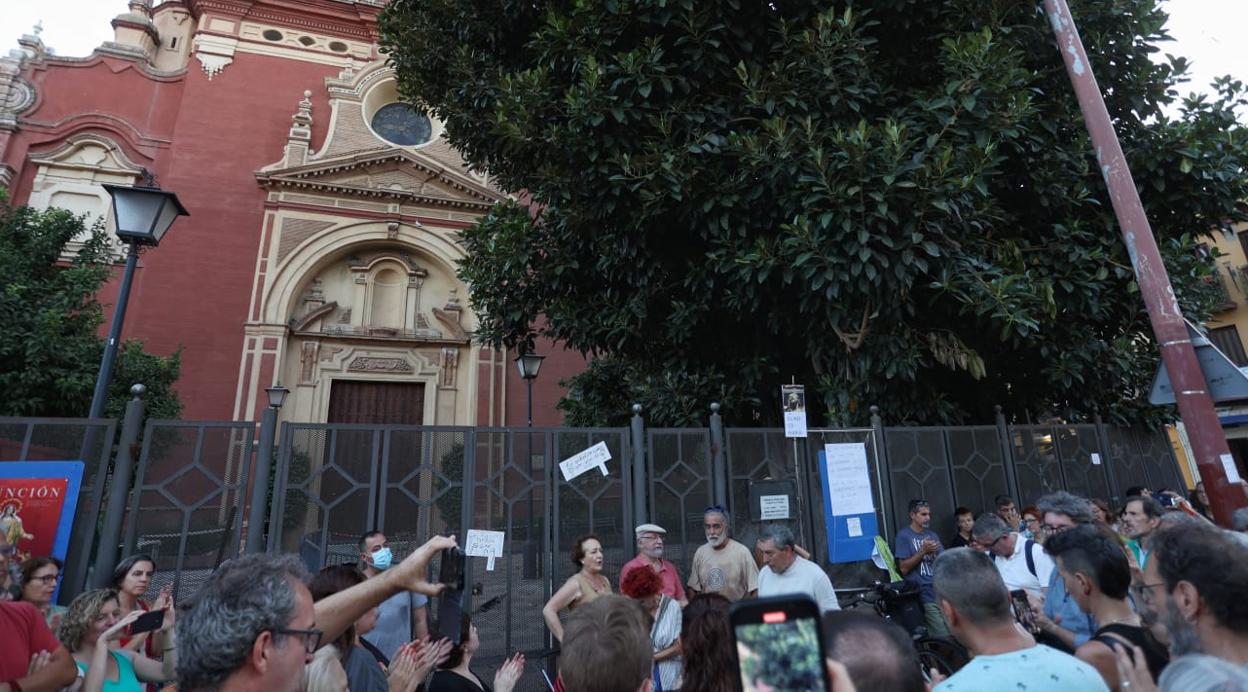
(67, 439)
(189, 499)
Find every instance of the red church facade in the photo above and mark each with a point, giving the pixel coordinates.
(321, 247)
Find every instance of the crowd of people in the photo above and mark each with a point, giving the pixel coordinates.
(1063, 595)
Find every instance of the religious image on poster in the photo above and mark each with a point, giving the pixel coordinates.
(37, 504)
(793, 399)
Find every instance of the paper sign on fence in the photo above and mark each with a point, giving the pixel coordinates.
(486, 544)
(1096, 459)
(854, 525)
(773, 507)
(849, 479)
(579, 463)
(793, 399)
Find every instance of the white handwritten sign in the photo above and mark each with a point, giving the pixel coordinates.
(849, 480)
(486, 544)
(773, 507)
(575, 465)
(1232, 471)
(854, 526)
(793, 399)
(1096, 459)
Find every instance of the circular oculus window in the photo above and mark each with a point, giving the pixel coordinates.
(400, 124)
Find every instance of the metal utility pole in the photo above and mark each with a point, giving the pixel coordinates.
(1190, 389)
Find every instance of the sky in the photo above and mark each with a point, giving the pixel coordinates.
(1209, 33)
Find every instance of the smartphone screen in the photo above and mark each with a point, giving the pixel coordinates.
(148, 622)
(778, 644)
(1022, 611)
(451, 571)
(451, 616)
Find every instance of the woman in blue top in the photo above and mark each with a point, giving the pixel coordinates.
(91, 630)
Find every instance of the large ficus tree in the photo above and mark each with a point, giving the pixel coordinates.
(892, 201)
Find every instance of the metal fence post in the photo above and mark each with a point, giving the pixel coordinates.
(719, 466)
(123, 468)
(638, 434)
(883, 473)
(1102, 440)
(1007, 455)
(260, 481)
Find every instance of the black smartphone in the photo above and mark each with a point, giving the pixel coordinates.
(451, 571)
(147, 622)
(778, 644)
(1022, 611)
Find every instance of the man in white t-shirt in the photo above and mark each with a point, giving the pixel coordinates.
(786, 572)
(1022, 562)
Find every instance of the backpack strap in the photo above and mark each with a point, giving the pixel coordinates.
(1031, 559)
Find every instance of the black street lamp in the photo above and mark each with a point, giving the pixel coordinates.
(142, 216)
(529, 364)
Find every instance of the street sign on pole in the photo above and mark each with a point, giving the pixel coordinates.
(1226, 381)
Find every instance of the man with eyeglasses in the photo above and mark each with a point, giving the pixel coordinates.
(1195, 584)
(916, 548)
(1022, 562)
(1059, 616)
(253, 626)
(722, 565)
(650, 556)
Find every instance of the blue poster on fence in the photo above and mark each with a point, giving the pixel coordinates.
(848, 507)
(37, 504)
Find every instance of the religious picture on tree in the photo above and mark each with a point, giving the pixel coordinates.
(37, 504)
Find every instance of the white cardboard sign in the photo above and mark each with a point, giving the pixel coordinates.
(575, 465)
(773, 507)
(1232, 471)
(486, 544)
(1096, 459)
(793, 400)
(849, 478)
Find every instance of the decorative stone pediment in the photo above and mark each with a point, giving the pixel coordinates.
(394, 174)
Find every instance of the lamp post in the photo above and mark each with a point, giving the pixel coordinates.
(528, 364)
(142, 215)
(264, 462)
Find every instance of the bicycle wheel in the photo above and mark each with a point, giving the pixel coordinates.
(945, 655)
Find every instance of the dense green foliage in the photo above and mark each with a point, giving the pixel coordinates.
(50, 349)
(894, 202)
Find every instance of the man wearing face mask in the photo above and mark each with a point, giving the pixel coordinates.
(400, 618)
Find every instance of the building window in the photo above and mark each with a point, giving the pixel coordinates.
(272, 35)
(399, 123)
(338, 46)
(1227, 340)
(307, 40)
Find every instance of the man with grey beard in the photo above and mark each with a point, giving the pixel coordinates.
(722, 565)
(1195, 584)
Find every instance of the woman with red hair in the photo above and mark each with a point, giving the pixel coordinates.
(646, 586)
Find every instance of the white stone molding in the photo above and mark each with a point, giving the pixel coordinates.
(214, 53)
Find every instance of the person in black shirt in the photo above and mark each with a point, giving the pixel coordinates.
(962, 537)
(455, 675)
(1095, 571)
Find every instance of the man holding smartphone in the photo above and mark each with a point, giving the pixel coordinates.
(916, 549)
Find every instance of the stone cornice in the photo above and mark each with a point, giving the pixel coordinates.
(308, 177)
(324, 16)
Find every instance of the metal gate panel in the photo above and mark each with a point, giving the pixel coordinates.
(1125, 461)
(978, 470)
(189, 499)
(61, 439)
(1036, 462)
(1159, 464)
(756, 454)
(1075, 445)
(679, 471)
(324, 496)
(918, 469)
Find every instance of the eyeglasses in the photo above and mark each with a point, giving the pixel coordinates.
(311, 638)
(1144, 592)
(47, 579)
(993, 544)
(1051, 529)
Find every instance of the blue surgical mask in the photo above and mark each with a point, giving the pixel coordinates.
(382, 559)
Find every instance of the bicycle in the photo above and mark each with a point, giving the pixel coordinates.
(896, 603)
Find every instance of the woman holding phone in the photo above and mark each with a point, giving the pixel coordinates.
(580, 588)
(92, 629)
(131, 579)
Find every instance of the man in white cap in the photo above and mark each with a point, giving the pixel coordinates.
(650, 556)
